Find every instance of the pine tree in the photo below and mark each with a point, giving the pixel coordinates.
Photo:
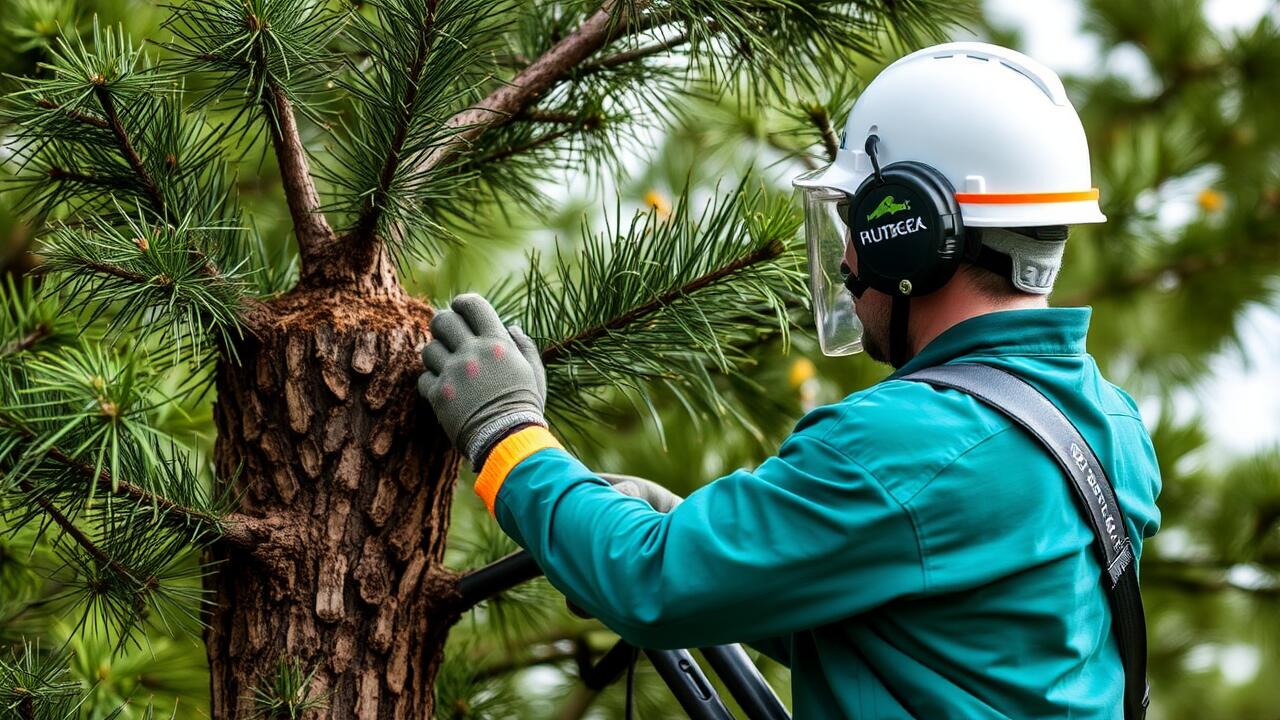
(314, 558)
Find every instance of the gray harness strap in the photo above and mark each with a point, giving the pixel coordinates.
(1095, 496)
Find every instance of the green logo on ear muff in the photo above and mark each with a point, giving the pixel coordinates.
(888, 207)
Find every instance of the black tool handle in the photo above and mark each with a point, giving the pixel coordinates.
(497, 577)
(745, 683)
(688, 684)
(676, 667)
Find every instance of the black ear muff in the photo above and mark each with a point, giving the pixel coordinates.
(907, 234)
(906, 230)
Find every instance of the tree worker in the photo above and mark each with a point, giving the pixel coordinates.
(910, 552)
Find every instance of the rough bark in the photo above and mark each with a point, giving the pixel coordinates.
(320, 428)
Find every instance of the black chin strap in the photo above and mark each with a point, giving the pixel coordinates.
(899, 340)
(855, 286)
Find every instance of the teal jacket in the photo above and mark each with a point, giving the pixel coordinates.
(908, 552)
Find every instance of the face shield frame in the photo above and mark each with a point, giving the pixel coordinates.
(826, 240)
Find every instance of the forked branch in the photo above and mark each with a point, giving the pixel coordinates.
(371, 213)
(315, 236)
(528, 86)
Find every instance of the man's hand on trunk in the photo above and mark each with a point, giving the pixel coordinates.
(484, 380)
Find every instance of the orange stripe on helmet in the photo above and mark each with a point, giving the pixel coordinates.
(1027, 198)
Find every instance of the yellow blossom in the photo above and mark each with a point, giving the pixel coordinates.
(1210, 200)
(659, 202)
(801, 370)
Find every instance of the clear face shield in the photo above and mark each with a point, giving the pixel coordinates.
(839, 330)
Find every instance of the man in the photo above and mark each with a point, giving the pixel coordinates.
(910, 551)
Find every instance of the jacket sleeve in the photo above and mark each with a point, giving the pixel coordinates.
(777, 649)
(808, 538)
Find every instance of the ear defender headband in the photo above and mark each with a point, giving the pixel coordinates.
(907, 233)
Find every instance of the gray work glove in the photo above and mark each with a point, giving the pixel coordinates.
(483, 379)
(658, 497)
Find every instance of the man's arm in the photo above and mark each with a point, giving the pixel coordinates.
(809, 538)
(806, 539)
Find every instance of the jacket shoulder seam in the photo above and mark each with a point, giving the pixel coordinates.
(921, 546)
(977, 444)
(844, 410)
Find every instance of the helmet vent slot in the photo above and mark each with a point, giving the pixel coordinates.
(1038, 82)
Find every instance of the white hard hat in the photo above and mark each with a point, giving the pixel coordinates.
(996, 123)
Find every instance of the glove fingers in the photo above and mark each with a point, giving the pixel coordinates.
(478, 313)
(449, 328)
(658, 497)
(629, 488)
(426, 381)
(434, 356)
(615, 478)
(525, 343)
(529, 349)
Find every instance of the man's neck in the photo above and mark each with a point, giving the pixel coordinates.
(934, 314)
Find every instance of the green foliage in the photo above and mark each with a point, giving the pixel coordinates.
(35, 24)
(256, 45)
(28, 319)
(142, 272)
(668, 301)
(288, 695)
(403, 87)
(34, 684)
(67, 146)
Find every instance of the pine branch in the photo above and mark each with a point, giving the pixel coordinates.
(69, 528)
(27, 342)
(115, 271)
(537, 115)
(138, 267)
(59, 173)
(668, 302)
(235, 528)
(822, 121)
(83, 118)
(638, 53)
(127, 149)
(535, 143)
(529, 85)
(367, 223)
(314, 234)
(555, 351)
(279, 50)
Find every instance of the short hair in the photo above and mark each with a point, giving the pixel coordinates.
(990, 284)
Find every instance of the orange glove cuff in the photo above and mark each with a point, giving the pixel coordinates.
(506, 455)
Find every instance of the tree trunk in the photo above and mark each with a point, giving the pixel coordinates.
(321, 431)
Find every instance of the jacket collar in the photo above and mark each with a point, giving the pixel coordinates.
(1042, 331)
